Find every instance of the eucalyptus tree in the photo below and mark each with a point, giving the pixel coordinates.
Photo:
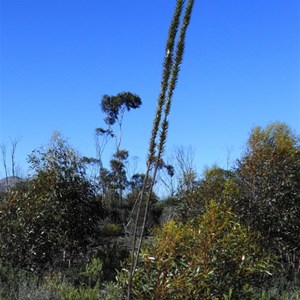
(114, 107)
(114, 181)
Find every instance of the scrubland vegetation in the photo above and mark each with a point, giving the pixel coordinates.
(229, 234)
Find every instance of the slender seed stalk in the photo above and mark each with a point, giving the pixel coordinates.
(165, 123)
(171, 68)
(168, 65)
(167, 68)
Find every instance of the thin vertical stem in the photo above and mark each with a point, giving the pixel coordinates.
(171, 69)
(164, 125)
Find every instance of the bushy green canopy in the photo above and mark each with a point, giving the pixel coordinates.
(201, 260)
(57, 216)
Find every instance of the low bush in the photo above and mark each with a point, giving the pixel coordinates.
(203, 259)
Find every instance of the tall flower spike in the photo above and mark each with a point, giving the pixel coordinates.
(171, 68)
(165, 123)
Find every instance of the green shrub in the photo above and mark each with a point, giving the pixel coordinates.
(281, 287)
(32, 290)
(111, 230)
(93, 273)
(69, 292)
(20, 285)
(268, 178)
(57, 214)
(9, 280)
(112, 292)
(204, 259)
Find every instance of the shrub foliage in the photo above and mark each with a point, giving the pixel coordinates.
(201, 260)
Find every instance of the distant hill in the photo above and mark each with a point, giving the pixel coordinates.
(11, 181)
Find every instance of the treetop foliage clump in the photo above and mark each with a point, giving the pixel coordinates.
(114, 106)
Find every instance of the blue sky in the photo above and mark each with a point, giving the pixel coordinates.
(58, 58)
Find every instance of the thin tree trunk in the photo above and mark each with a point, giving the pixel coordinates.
(3, 152)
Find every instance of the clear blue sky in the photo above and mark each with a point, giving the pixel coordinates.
(58, 58)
